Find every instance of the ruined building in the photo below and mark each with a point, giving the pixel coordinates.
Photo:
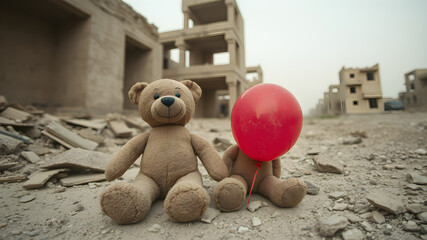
(359, 91)
(73, 54)
(415, 96)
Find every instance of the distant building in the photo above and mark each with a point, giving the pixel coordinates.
(74, 54)
(359, 91)
(415, 96)
(212, 28)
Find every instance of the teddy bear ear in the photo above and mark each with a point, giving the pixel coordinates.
(194, 88)
(135, 91)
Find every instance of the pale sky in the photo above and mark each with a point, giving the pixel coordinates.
(302, 44)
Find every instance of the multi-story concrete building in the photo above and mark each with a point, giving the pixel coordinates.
(415, 96)
(211, 28)
(359, 91)
(87, 54)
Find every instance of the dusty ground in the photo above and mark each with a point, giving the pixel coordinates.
(391, 141)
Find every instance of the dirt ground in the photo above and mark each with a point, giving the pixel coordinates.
(381, 161)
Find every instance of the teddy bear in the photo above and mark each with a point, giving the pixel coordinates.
(231, 192)
(168, 168)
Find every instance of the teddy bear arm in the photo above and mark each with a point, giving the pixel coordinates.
(126, 157)
(277, 168)
(210, 158)
(230, 155)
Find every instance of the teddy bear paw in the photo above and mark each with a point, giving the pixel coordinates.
(292, 191)
(124, 203)
(186, 202)
(229, 195)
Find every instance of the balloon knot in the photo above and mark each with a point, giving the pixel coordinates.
(258, 164)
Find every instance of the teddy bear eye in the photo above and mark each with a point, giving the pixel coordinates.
(156, 96)
(177, 95)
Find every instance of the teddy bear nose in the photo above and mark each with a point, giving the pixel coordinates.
(168, 101)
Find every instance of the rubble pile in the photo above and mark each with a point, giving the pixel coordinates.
(36, 147)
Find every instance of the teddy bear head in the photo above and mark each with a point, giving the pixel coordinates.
(165, 101)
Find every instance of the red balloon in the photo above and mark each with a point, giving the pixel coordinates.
(266, 121)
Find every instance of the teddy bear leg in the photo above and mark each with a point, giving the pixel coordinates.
(187, 200)
(230, 193)
(287, 193)
(129, 203)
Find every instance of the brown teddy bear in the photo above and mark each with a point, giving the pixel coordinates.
(230, 193)
(169, 157)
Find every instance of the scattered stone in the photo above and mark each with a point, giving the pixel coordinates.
(221, 144)
(353, 218)
(11, 179)
(416, 208)
(357, 133)
(242, 229)
(210, 215)
(311, 188)
(416, 178)
(351, 140)
(8, 144)
(6, 165)
(79, 207)
(82, 179)
(386, 201)
(353, 234)
(69, 139)
(366, 226)
(337, 195)
(413, 187)
(313, 152)
(376, 217)
(120, 129)
(400, 167)
(340, 206)
(411, 226)
(330, 225)
(80, 159)
(15, 232)
(60, 189)
(32, 233)
(155, 228)
(27, 198)
(16, 115)
(94, 124)
(326, 165)
(361, 207)
(422, 216)
(40, 177)
(255, 205)
(31, 157)
(256, 222)
(421, 151)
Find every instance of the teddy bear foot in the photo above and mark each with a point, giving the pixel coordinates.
(292, 191)
(125, 203)
(229, 195)
(186, 202)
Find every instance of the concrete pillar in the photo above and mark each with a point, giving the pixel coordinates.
(232, 91)
(230, 11)
(186, 18)
(180, 43)
(232, 51)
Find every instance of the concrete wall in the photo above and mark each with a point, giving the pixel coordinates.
(415, 96)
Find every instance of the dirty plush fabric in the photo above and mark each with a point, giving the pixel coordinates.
(231, 192)
(169, 157)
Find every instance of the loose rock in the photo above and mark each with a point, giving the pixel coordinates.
(210, 215)
(416, 178)
(242, 229)
(327, 165)
(416, 208)
(411, 226)
(26, 198)
(422, 216)
(376, 217)
(255, 205)
(311, 188)
(337, 195)
(351, 140)
(155, 228)
(353, 234)
(329, 226)
(386, 201)
(256, 222)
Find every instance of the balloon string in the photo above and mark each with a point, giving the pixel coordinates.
(258, 165)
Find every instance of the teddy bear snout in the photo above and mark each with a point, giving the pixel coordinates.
(168, 101)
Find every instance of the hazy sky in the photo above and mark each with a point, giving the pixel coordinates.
(302, 45)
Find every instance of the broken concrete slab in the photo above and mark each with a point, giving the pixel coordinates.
(221, 144)
(376, 217)
(416, 178)
(330, 225)
(38, 149)
(353, 234)
(12, 133)
(210, 215)
(255, 205)
(119, 128)
(73, 180)
(40, 177)
(8, 122)
(15, 114)
(387, 201)
(421, 151)
(31, 157)
(67, 138)
(324, 164)
(11, 179)
(136, 123)
(81, 159)
(9, 145)
(6, 165)
(94, 124)
(416, 208)
(311, 188)
(337, 195)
